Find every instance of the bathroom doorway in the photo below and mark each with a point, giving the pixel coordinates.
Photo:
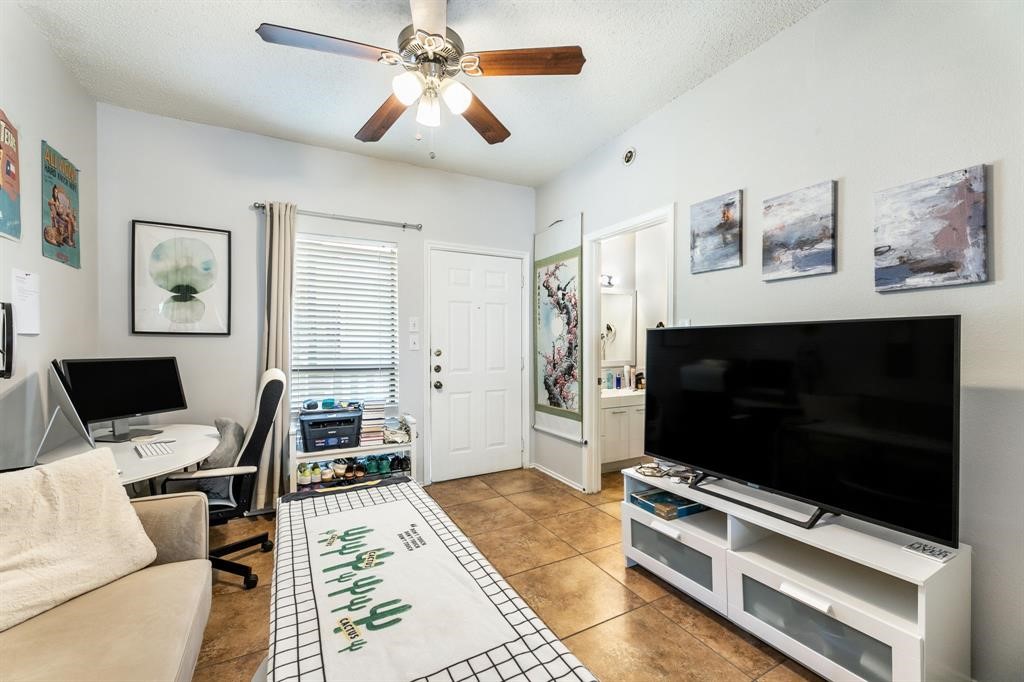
(628, 289)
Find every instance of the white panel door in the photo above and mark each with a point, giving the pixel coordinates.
(476, 364)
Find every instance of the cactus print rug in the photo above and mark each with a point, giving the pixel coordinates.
(378, 584)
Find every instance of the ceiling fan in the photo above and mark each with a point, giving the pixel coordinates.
(431, 55)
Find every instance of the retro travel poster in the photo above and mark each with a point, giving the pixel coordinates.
(60, 208)
(10, 185)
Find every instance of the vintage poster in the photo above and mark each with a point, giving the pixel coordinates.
(10, 184)
(60, 208)
(557, 335)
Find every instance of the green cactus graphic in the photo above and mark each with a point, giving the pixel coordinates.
(354, 646)
(364, 585)
(356, 563)
(380, 616)
(354, 605)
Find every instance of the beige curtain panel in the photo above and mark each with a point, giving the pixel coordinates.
(277, 345)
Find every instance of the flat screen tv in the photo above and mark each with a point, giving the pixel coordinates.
(857, 417)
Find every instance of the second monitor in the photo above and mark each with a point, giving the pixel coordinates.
(116, 390)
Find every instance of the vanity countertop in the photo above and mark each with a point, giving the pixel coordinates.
(621, 397)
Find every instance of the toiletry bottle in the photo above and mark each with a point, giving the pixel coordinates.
(632, 378)
(609, 380)
(618, 381)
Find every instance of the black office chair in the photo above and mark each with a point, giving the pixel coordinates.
(242, 479)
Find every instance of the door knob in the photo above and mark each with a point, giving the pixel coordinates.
(438, 384)
(437, 368)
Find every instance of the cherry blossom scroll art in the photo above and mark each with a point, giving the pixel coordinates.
(558, 358)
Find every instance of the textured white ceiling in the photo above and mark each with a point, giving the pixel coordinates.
(202, 61)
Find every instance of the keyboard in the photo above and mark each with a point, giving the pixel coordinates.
(155, 449)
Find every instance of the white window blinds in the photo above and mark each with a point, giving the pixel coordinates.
(344, 320)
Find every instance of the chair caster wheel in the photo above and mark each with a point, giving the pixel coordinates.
(250, 581)
(267, 546)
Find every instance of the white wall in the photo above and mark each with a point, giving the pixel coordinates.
(873, 95)
(44, 102)
(168, 170)
(651, 286)
(618, 258)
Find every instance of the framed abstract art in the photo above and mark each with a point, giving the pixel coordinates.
(181, 279)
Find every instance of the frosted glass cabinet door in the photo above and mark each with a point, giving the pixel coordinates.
(680, 558)
(829, 633)
(853, 650)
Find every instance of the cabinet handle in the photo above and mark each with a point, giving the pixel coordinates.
(665, 529)
(815, 601)
(618, 412)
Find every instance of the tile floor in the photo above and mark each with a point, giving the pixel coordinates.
(560, 549)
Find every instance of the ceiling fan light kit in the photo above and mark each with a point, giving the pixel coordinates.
(408, 86)
(429, 111)
(432, 55)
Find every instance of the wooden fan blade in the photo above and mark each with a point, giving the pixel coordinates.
(293, 37)
(430, 16)
(382, 120)
(486, 123)
(532, 61)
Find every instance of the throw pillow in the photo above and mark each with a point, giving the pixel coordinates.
(224, 455)
(68, 528)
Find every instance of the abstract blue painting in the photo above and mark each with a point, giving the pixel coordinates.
(932, 233)
(800, 233)
(716, 233)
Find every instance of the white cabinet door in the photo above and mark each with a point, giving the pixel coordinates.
(636, 431)
(614, 434)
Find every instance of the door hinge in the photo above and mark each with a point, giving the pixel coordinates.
(522, 363)
(522, 446)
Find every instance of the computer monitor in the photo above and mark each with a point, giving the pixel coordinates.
(115, 390)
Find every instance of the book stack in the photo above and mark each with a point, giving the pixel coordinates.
(372, 431)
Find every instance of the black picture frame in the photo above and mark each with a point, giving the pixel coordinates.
(140, 327)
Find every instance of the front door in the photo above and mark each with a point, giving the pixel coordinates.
(476, 364)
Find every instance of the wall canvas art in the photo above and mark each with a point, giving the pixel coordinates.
(932, 233)
(10, 182)
(60, 208)
(181, 279)
(800, 233)
(557, 335)
(716, 233)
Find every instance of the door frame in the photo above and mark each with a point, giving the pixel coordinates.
(523, 257)
(666, 215)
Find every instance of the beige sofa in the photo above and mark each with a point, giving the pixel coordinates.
(147, 625)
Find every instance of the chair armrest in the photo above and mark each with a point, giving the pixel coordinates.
(178, 524)
(211, 473)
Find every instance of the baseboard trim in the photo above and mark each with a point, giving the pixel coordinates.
(557, 477)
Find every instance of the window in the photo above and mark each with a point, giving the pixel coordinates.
(344, 320)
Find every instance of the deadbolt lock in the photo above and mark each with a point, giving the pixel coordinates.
(437, 352)
(437, 368)
(438, 384)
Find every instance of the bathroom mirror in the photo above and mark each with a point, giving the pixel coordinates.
(618, 328)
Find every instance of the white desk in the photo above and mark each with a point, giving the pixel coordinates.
(192, 444)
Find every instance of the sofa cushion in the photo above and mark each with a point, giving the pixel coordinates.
(68, 527)
(146, 626)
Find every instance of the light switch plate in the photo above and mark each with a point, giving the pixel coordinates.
(414, 341)
(414, 324)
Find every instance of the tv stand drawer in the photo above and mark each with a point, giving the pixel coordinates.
(678, 553)
(838, 637)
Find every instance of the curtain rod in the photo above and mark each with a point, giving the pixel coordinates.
(260, 206)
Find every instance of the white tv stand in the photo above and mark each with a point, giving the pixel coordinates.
(843, 598)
